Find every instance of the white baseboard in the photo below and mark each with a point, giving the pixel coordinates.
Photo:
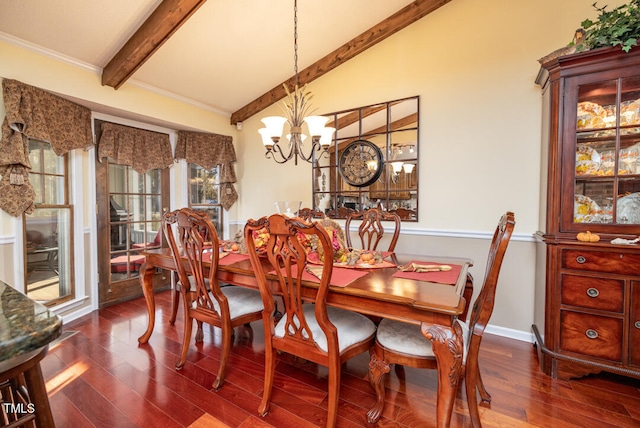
(523, 336)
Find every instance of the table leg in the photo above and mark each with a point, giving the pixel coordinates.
(378, 367)
(146, 280)
(447, 347)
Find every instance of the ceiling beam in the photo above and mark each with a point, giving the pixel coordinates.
(161, 24)
(396, 22)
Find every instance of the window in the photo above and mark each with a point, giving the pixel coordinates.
(204, 193)
(48, 234)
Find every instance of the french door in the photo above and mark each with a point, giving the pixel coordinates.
(129, 214)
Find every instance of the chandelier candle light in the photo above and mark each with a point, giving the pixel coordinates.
(296, 107)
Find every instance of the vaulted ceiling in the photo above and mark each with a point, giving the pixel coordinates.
(227, 56)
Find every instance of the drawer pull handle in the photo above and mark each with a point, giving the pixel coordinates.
(592, 292)
(581, 259)
(591, 333)
(637, 324)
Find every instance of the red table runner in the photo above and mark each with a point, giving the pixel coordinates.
(340, 277)
(232, 258)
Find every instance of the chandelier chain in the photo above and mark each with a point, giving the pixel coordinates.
(296, 108)
(295, 40)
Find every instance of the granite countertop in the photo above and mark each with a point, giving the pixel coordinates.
(25, 325)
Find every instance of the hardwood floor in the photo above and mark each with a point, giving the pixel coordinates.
(101, 377)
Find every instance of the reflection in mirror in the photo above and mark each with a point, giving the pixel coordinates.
(394, 127)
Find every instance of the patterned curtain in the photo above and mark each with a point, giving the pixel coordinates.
(209, 150)
(37, 114)
(138, 148)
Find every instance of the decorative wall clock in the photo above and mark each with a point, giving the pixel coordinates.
(361, 163)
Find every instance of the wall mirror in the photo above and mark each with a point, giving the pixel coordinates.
(373, 161)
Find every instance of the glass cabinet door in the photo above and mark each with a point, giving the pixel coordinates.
(606, 176)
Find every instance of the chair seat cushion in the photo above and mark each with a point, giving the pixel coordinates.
(242, 301)
(192, 283)
(352, 327)
(408, 338)
(119, 264)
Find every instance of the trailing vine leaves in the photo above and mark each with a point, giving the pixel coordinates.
(617, 27)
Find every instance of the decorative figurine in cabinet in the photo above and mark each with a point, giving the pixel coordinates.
(587, 303)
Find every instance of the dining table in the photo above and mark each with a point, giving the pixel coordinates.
(430, 299)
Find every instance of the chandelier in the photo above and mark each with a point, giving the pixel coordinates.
(296, 107)
(398, 166)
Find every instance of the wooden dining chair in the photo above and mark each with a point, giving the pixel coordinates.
(371, 229)
(404, 213)
(309, 214)
(402, 343)
(176, 290)
(197, 263)
(312, 330)
(340, 212)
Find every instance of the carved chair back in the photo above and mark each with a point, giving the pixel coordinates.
(371, 229)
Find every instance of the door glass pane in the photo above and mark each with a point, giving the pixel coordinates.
(152, 181)
(117, 178)
(135, 181)
(135, 216)
(153, 207)
(204, 193)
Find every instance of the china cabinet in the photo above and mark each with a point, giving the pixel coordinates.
(587, 314)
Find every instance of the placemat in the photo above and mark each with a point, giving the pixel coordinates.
(340, 277)
(441, 277)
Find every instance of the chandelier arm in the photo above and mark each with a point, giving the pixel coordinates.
(277, 152)
(325, 153)
(314, 149)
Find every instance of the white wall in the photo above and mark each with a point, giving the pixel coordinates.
(473, 64)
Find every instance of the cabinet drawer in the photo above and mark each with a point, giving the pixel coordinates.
(592, 335)
(602, 261)
(634, 325)
(604, 294)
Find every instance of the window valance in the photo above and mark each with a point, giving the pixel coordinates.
(40, 115)
(209, 150)
(138, 148)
